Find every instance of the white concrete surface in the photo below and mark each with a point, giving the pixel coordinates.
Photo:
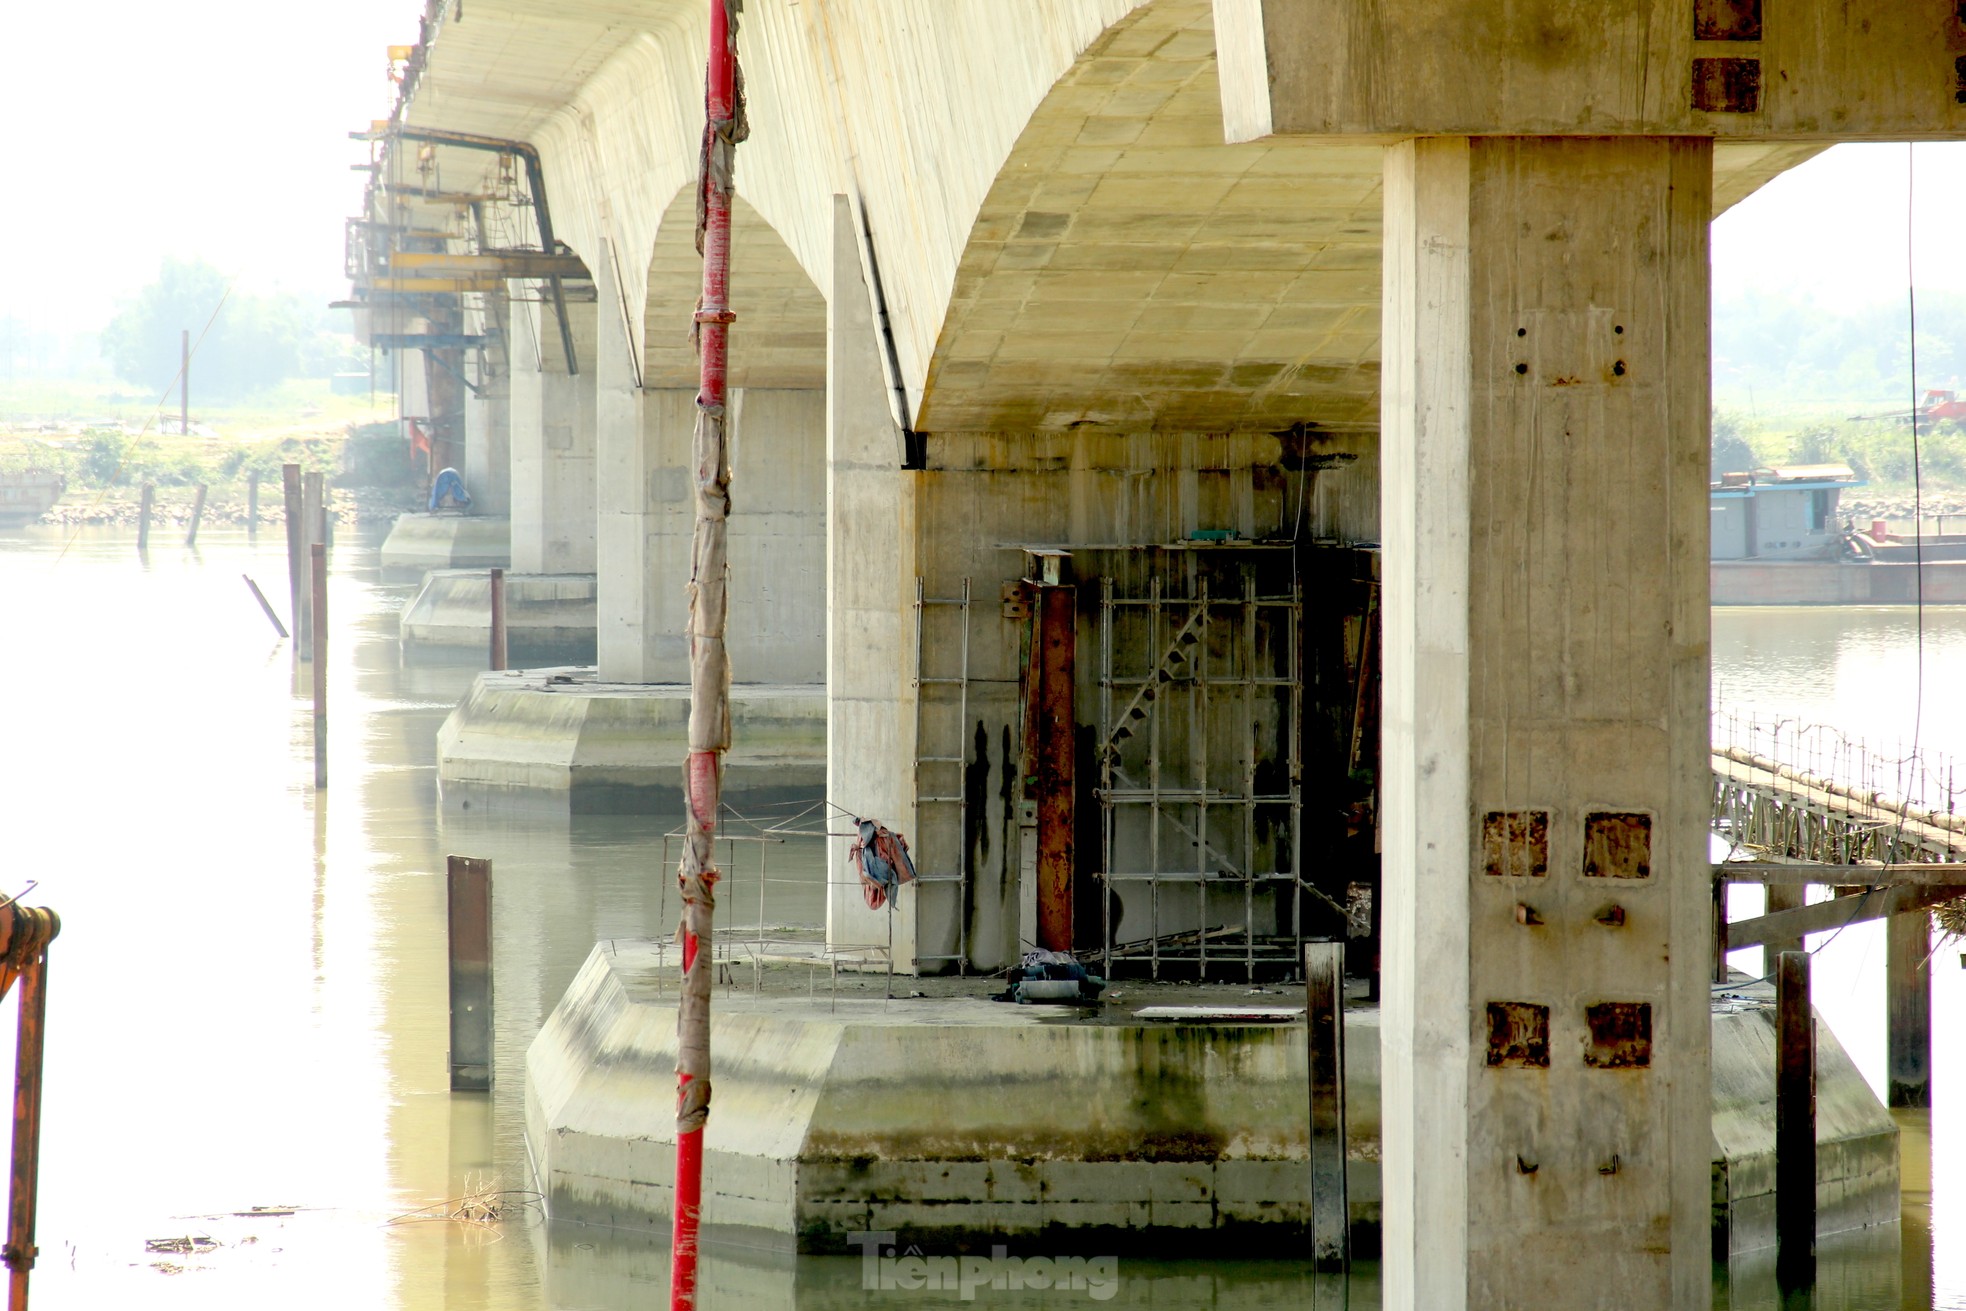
(549, 618)
(560, 738)
(448, 541)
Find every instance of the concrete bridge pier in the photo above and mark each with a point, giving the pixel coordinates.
(488, 422)
(1545, 429)
(553, 413)
(481, 537)
(550, 418)
(870, 581)
(608, 737)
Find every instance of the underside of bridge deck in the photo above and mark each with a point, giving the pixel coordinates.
(1183, 366)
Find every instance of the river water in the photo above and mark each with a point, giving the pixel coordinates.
(247, 1016)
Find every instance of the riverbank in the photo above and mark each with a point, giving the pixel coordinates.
(227, 505)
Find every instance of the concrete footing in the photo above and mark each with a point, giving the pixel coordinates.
(448, 541)
(956, 1121)
(549, 618)
(1856, 1138)
(560, 738)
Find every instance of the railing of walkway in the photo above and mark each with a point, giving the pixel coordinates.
(1892, 775)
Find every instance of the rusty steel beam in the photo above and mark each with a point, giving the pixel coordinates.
(1050, 752)
(452, 285)
(502, 264)
(27, 931)
(469, 886)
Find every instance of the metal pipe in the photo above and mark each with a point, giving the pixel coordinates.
(27, 957)
(709, 719)
(535, 182)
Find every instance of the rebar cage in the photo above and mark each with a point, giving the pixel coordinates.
(1201, 704)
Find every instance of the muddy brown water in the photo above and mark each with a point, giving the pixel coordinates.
(247, 1003)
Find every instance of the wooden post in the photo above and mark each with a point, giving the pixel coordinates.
(296, 544)
(318, 614)
(1795, 1124)
(470, 893)
(1324, 1007)
(252, 506)
(497, 619)
(197, 513)
(1719, 929)
(260, 597)
(184, 384)
(1908, 1007)
(1783, 896)
(310, 536)
(145, 497)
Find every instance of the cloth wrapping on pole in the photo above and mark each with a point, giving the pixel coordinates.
(709, 715)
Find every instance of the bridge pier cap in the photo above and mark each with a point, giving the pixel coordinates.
(1733, 70)
(1548, 185)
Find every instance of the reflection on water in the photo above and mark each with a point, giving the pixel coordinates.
(247, 1004)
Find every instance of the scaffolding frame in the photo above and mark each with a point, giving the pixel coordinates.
(1209, 696)
(928, 791)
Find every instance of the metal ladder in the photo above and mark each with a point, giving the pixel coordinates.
(932, 766)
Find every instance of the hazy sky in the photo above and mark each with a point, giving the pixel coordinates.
(219, 128)
(1835, 227)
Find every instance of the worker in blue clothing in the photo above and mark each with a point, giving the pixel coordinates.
(449, 485)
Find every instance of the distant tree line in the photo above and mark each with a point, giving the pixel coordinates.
(255, 341)
(1780, 346)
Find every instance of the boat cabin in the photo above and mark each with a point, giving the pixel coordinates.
(1780, 514)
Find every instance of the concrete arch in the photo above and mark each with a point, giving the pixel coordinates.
(779, 339)
(1133, 270)
(778, 460)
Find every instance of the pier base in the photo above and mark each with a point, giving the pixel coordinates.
(955, 1121)
(549, 618)
(448, 541)
(562, 739)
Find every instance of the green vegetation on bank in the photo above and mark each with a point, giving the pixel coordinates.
(1877, 446)
(360, 455)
